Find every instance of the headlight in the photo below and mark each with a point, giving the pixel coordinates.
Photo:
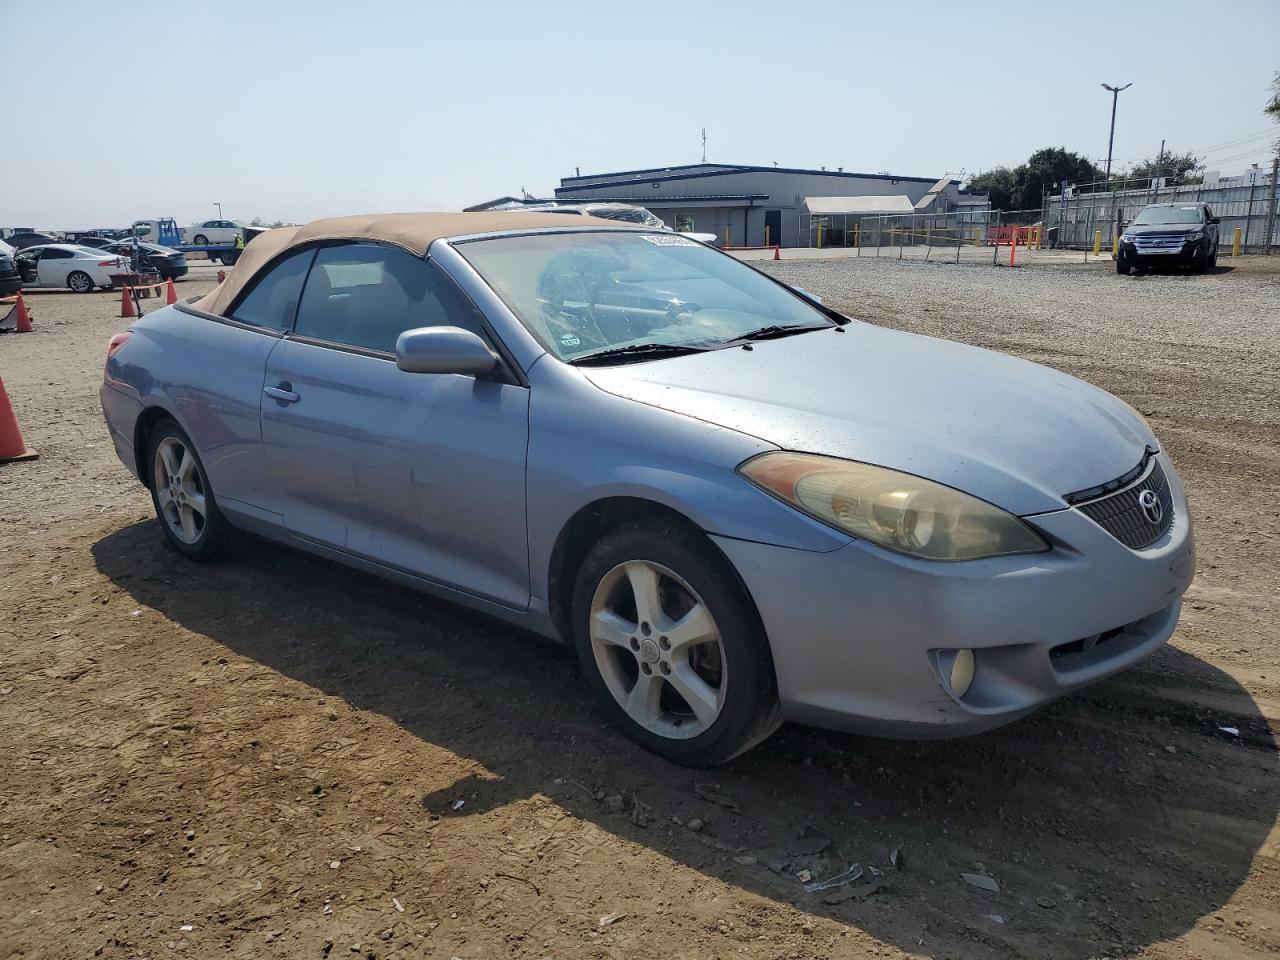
(1193, 237)
(895, 510)
(1127, 237)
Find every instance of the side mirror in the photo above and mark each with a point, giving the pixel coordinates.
(1215, 219)
(444, 350)
(807, 295)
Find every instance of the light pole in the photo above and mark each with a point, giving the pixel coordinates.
(219, 206)
(1115, 95)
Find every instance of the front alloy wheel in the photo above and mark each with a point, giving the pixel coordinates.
(658, 650)
(672, 645)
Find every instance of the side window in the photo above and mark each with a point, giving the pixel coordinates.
(366, 295)
(273, 301)
(53, 253)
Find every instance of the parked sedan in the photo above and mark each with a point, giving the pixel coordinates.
(20, 241)
(67, 265)
(738, 506)
(169, 263)
(213, 232)
(10, 279)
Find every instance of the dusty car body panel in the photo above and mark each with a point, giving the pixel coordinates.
(1014, 433)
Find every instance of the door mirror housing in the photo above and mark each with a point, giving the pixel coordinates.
(1215, 219)
(444, 350)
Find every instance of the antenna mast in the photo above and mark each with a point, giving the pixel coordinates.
(704, 144)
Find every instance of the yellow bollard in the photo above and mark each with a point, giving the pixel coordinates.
(1097, 242)
(857, 235)
(726, 238)
(819, 234)
(1235, 243)
(766, 236)
(1115, 246)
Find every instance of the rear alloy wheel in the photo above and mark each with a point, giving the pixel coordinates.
(201, 240)
(672, 646)
(80, 282)
(184, 503)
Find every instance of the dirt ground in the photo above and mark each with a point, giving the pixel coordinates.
(277, 757)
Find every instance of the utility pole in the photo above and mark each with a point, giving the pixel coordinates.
(1160, 159)
(1271, 204)
(704, 144)
(219, 206)
(1115, 95)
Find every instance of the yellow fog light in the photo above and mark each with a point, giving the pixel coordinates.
(961, 672)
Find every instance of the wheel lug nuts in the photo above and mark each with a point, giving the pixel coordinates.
(664, 643)
(635, 645)
(648, 670)
(665, 668)
(646, 629)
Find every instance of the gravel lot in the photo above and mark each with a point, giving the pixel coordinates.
(262, 758)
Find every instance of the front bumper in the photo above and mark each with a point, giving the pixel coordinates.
(855, 633)
(10, 285)
(1184, 255)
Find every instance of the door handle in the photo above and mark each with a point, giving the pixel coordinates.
(281, 394)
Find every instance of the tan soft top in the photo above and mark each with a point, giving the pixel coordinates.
(412, 231)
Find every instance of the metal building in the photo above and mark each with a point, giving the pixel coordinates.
(760, 206)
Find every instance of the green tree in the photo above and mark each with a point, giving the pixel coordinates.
(999, 182)
(1049, 167)
(1023, 187)
(1182, 166)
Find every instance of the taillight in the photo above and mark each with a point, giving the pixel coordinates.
(116, 342)
(108, 263)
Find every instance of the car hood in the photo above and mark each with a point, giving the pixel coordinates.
(1014, 433)
(1142, 228)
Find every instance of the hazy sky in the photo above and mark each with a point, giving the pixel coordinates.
(294, 110)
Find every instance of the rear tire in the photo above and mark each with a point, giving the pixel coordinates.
(201, 240)
(184, 502)
(80, 282)
(672, 646)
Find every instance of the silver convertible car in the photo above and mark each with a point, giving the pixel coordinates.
(738, 505)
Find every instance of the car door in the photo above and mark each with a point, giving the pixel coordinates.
(420, 472)
(55, 264)
(217, 395)
(28, 262)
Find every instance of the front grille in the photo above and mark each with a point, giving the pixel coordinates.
(1122, 515)
(1159, 242)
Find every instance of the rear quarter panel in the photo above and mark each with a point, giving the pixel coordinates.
(208, 376)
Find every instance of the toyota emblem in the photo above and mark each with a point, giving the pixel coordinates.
(1151, 506)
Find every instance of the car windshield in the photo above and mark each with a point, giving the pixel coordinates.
(1154, 215)
(587, 293)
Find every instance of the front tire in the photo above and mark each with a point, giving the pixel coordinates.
(183, 500)
(80, 282)
(1122, 265)
(672, 646)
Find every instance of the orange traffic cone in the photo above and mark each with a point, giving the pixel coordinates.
(170, 294)
(12, 446)
(24, 318)
(127, 309)
(222, 275)
(777, 252)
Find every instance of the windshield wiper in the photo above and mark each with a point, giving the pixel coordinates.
(637, 352)
(776, 330)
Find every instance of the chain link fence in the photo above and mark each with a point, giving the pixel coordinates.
(958, 235)
(1073, 217)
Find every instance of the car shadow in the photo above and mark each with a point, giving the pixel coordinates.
(1111, 820)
